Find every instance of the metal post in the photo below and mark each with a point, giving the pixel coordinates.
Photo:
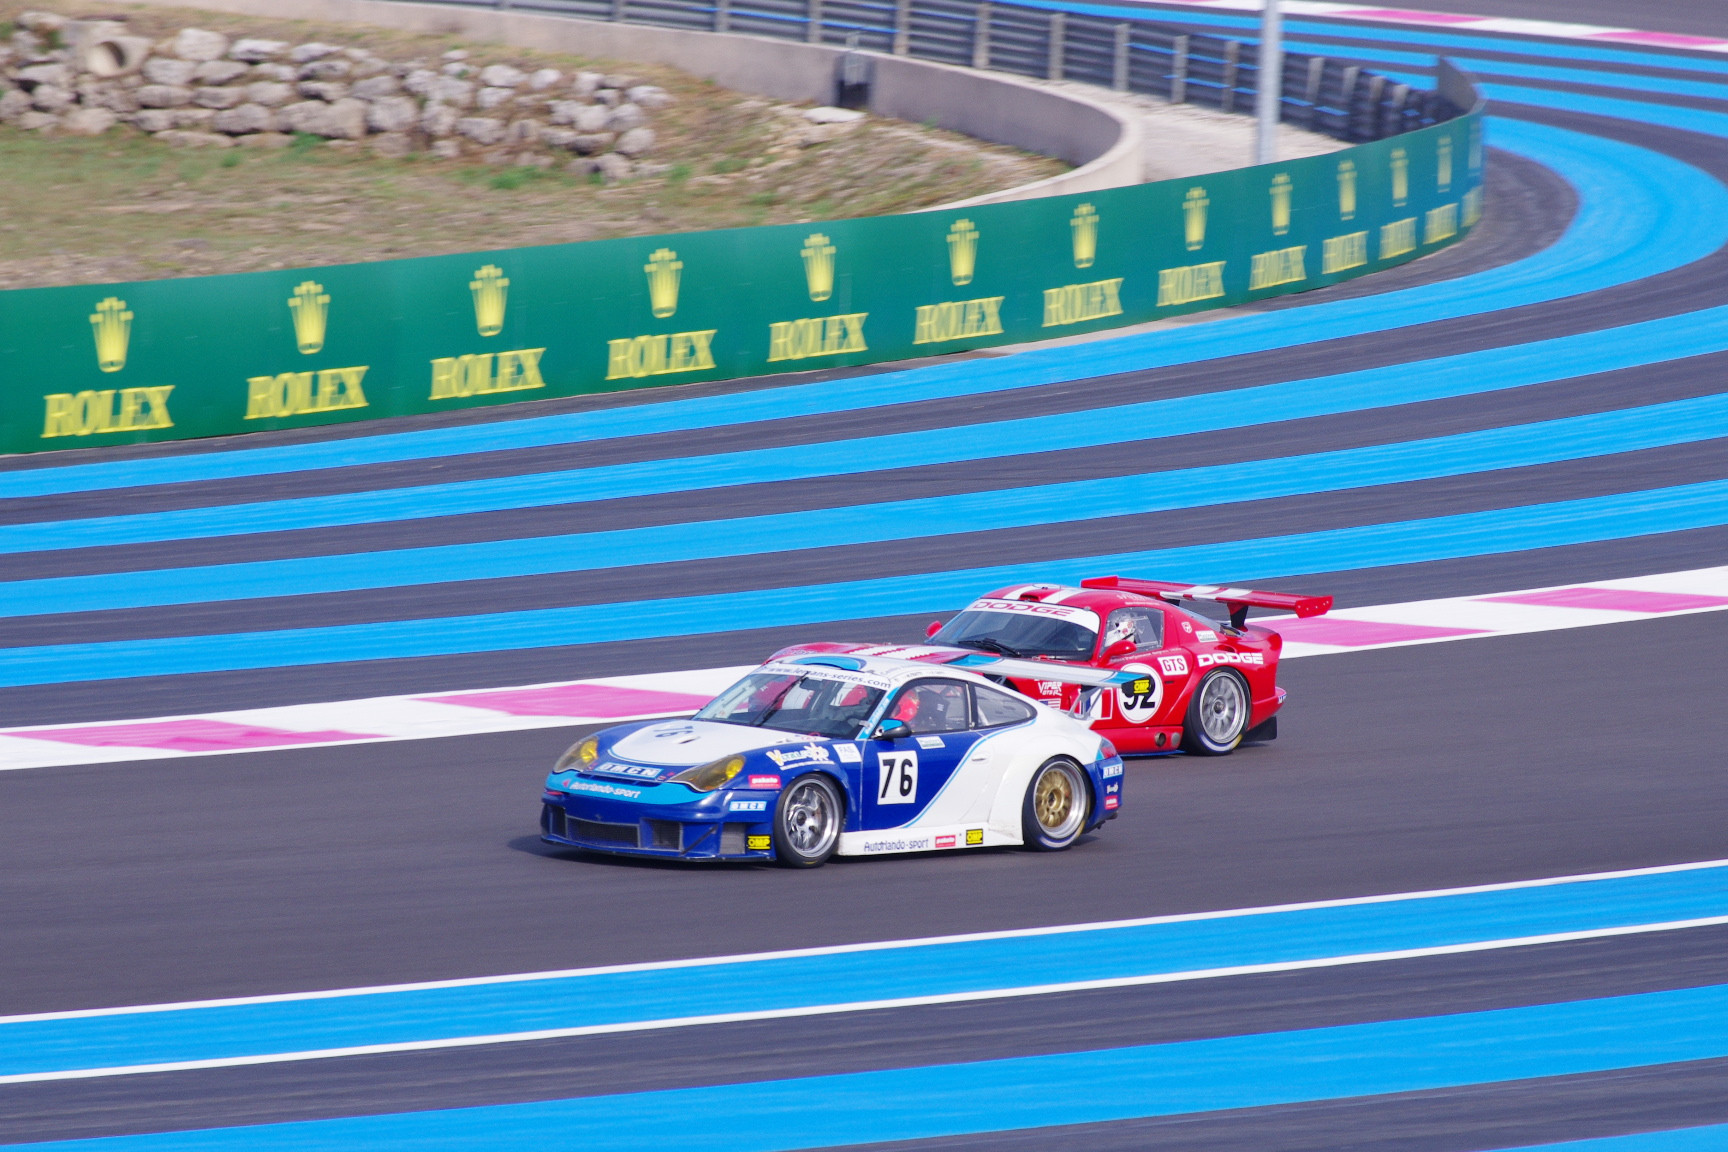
(617, 9)
(902, 27)
(981, 36)
(722, 15)
(1119, 62)
(1269, 89)
(1058, 35)
(813, 23)
(1232, 62)
(1179, 71)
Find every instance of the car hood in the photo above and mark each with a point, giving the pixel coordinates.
(686, 743)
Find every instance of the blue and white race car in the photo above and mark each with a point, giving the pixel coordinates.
(815, 755)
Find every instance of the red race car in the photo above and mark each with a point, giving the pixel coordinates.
(1207, 686)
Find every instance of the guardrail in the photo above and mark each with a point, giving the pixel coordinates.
(1323, 95)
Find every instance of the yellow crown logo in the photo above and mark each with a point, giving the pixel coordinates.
(818, 266)
(663, 268)
(1400, 177)
(1280, 204)
(310, 306)
(112, 327)
(1444, 163)
(962, 251)
(1194, 218)
(1084, 225)
(1346, 190)
(491, 288)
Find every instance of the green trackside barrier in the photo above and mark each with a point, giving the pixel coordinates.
(211, 356)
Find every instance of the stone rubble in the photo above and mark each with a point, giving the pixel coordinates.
(201, 89)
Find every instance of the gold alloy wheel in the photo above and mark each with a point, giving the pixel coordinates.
(1055, 799)
(1058, 803)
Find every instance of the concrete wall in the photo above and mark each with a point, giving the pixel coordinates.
(1103, 144)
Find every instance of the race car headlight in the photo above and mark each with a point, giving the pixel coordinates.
(712, 775)
(579, 755)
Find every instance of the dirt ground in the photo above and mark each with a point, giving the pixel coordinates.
(123, 206)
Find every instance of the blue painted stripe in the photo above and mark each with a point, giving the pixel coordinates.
(1196, 1076)
(1641, 213)
(1618, 517)
(1518, 446)
(1230, 940)
(1711, 1138)
(1474, 373)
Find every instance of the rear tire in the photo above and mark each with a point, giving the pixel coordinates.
(1217, 715)
(807, 822)
(1058, 802)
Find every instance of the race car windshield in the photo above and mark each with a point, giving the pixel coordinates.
(811, 705)
(1009, 634)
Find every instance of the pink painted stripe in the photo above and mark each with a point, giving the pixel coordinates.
(1612, 600)
(1668, 39)
(1411, 17)
(1343, 633)
(599, 701)
(187, 736)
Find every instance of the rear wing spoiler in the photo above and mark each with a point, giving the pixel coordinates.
(1237, 600)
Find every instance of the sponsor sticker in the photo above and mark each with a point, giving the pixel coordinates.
(758, 843)
(747, 806)
(1187, 627)
(946, 841)
(1113, 789)
(1140, 698)
(1050, 688)
(1111, 803)
(1112, 770)
(764, 782)
(1173, 665)
(931, 742)
(809, 754)
(1250, 659)
(1207, 635)
(849, 753)
(974, 836)
(903, 844)
(1037, 608)
(609, 768)
(599, 789)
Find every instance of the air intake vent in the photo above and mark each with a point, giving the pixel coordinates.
(732, 839)
(552, 820)
(665, 834)
(597, 833)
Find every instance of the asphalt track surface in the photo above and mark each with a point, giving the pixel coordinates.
(1401, 770)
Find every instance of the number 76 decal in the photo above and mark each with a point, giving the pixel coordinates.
(898, 779)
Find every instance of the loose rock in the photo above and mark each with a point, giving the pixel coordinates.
(88, 121)
(306, 53)
(37, 121)
(219, 98)
(501, 76)
(246, 120)
(257, 51)
(377, 87)
(219, 71)
(166, 70)
(270, 94)
(193, 139)
(636, 142)
(393, 114)
(48, 98)
(544, 78)
(492, 97)
(482, 130)
(164, 96)
(625, 117)
(392, 144)
(198, 45)
(265, 140)
(14, 104)
(329, 91)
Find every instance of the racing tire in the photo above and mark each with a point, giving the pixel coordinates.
(1058, 806)
(807, 822)
(1217, 715)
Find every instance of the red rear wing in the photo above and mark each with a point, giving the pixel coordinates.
(1238, 600)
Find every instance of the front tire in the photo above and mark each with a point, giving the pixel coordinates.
(807, 822)
(1057, 804)
(1217, 715)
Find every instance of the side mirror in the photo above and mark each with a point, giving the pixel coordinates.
(893, 730)
(935, 627)
(1121, 648)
